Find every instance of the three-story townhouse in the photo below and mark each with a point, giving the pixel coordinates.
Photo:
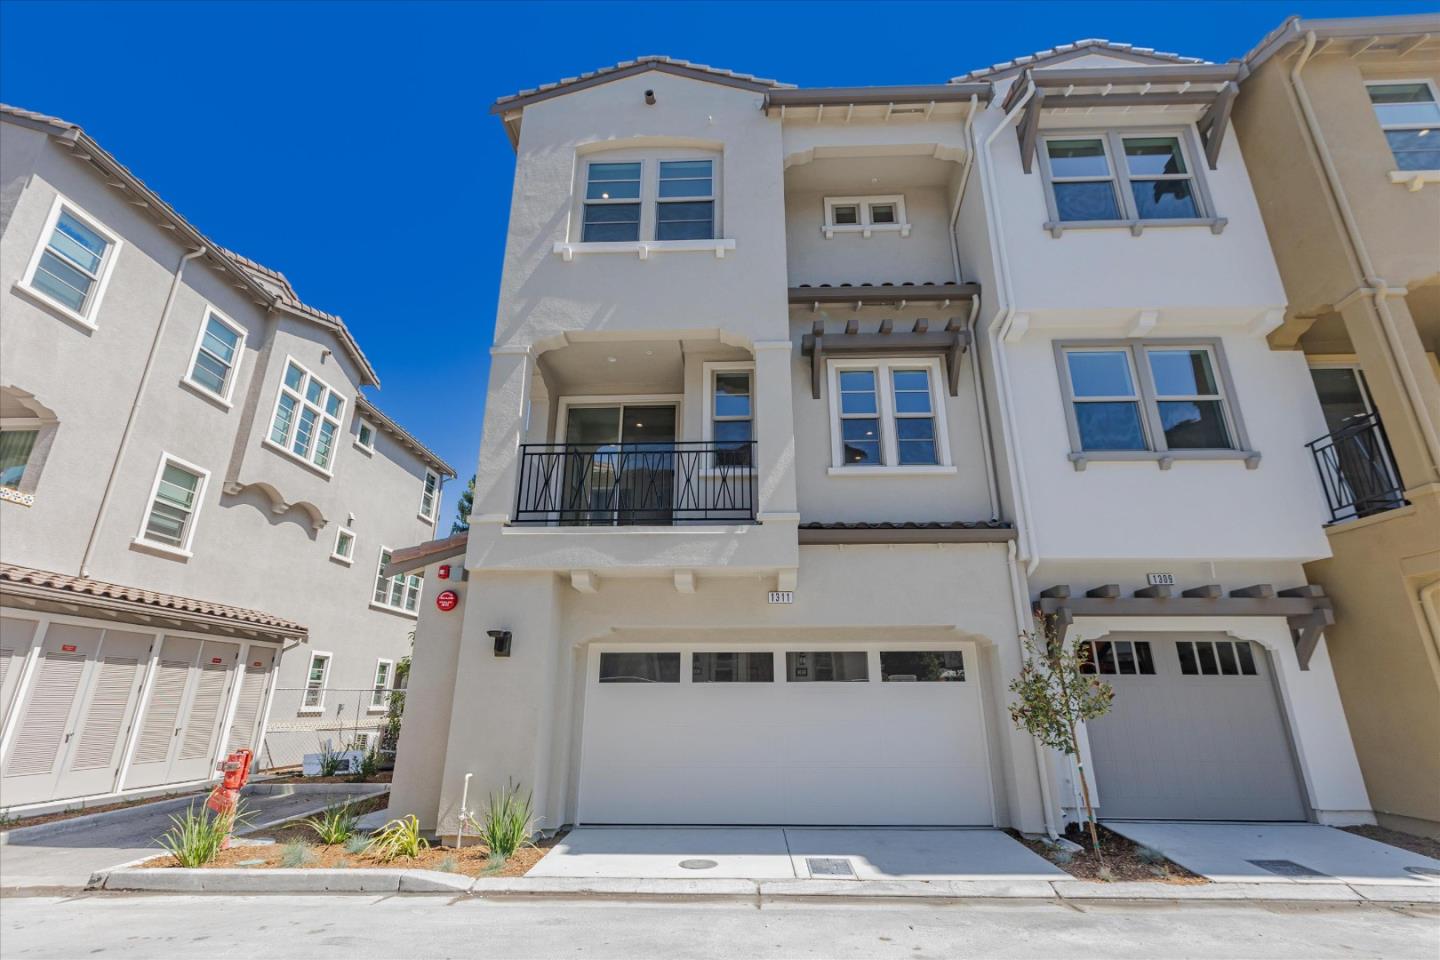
(185, 444)
(1340, 119)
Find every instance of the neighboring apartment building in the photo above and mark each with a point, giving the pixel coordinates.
(183, 444)
(802, 399)
(1341, 125)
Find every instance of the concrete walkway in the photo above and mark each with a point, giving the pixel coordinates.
(1282, 853)
(65, 853)
(774, 853)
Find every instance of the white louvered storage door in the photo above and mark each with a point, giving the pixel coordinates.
(16, 636)
(106, 713)
(206, 712)
(254, 684)
(47, 716)
(160, 727)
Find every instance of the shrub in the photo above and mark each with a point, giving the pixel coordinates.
(369, 764)
(331, 760)
(197, 835)
(448, 864)
(357, 844)
(295, 854)
(398, 838)
(509, 822)
(335, 825)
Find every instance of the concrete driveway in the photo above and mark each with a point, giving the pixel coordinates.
(1281, 853)
(770, 853)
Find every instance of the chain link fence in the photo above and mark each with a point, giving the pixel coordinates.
(313, 720)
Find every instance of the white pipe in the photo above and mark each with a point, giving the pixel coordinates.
(1024, 620)
(1378, 288)
(964, 179)
(998, 329)
(992, 486)
(134, 408)
(460, 821)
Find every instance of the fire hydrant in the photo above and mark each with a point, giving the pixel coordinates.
(225, 798)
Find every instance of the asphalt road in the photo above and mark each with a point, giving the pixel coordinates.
(161, 927)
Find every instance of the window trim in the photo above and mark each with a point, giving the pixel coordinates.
(709, 369)
(434, 498)
(280, 390)
(335, 553)
(1112, 139)
(889, 451)
(102, 279)
(419, 588)
(712, 198)
(184, 551)
(224, 399)
(319, 706)
(375, 687)
(866, 227)
(649, 159)
(361, 425)
(1413, 178)
(1157, 451)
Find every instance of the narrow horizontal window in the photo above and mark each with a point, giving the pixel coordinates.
(617, 667)
(735, 667)
(827, 667)
(1410, 117)
(921, 666)
(1219, 658)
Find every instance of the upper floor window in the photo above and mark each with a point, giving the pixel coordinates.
(174, 505)
(1148, 396)
(428, 495)
(27, 430)
(380, 690)
(217, 355)
(399, 592)
(886, 413)
(662, 199)
(730, 416)
(364, 436)
(72, 264)
(1410, 116)
(15, 447)
(865, 215)
(307, 417)
(315, 679)
(1114, 176)
(344, 549)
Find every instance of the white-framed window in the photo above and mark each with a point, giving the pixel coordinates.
(1409, 114)
(173, 506)
(730, 411)
(215, 362)
(887, 414)
(866, 215)
(400, 592)
(627, 198)
(344, 549)
(307, 417)
(72, 263)
(1151, 398)
(16, 443)
(1121, 176)
(365, 435)
(429, 494)
(316, 678)
(380, 690)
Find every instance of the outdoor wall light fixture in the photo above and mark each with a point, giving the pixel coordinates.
(502, 642)
(649, 98)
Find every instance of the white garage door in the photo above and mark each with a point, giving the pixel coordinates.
(1196, 732)
(874, 736)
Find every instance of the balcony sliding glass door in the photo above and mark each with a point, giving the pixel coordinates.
(621, 466)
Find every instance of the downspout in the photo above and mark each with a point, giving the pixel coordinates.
(135, 407)
(1377, 287)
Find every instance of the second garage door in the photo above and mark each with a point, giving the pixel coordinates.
(874, 736)
(1196, 732)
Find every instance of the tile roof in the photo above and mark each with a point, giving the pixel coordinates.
(626, 65)
(422, 555)
(913, 525)
(28, 581)
(1067, 50)
(367, 408)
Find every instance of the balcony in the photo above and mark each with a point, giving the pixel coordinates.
(1357, 470)
(636, 484)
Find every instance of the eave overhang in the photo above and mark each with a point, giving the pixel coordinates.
(914, 95)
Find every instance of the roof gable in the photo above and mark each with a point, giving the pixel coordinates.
(1074, 51)
(629, 68)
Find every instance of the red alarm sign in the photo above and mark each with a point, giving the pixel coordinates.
(444, 572)
(447, 600)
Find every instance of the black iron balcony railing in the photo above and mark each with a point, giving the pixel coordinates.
(1357, 470)
(617, 484)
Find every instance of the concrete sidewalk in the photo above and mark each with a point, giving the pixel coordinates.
(65, 853)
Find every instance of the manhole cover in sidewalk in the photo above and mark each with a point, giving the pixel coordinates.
(1287, 868)
(830, 867)
(1429, 873)
(698, 864)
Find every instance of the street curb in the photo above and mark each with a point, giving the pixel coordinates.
(295, 789)
(314, 880)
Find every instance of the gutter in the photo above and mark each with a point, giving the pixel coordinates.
(135, 407)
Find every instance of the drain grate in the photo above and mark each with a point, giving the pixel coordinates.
(1287, 868)
(830, 867)
(698, 864)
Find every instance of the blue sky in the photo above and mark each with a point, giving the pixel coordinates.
(350, 144)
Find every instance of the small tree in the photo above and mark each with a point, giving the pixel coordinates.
(1054, 695)
(463, 506)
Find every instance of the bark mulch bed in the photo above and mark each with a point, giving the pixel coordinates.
(35, 821)
(1425, 846)
(1124, 859)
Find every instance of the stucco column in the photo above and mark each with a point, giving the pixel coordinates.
(775, 428)
(506, 406)
(1404, 424)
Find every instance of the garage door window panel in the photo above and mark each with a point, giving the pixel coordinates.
(851, 666)
(1216, 659)
(637, 667)
(732, 667)
(1116, 658)
(922, 666)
